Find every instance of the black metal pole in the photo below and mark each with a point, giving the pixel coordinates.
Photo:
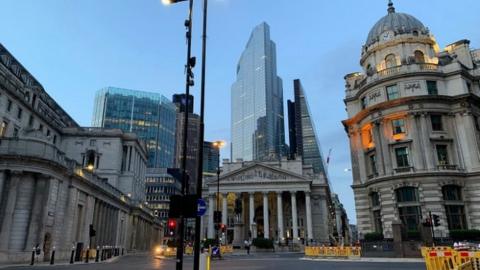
(217, 228)
(181, 225)
(97, 254)
(32, 261)
(52, 259)
(201, 138)
(71, 256)
(432, 227)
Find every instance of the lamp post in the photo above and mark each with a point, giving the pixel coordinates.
(218, 145)
(188, 82)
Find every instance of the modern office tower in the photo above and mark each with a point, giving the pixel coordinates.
(160, 185)
(303, 140)
(180, 100)
(150, 115)
(210, 158)
(257, 123)
(192, 147)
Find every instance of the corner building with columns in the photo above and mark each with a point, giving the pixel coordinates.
(414, 129)
(280, 200)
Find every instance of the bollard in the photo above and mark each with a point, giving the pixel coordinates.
(73, 254)
(97, 254)
(122, 251)
(33, 257)
(52, 259)
(102, 258)
(87, 254)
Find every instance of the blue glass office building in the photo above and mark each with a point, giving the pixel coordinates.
(257, 101)
(150, 115)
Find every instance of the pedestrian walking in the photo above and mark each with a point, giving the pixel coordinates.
(247, 246)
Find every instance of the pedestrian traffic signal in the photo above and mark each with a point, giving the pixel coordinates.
(91, 231)
(172, 225)
(436, 220)
(223, 227)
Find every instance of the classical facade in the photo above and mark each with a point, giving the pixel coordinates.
(50, 192)
(282, 200)
(414, 129)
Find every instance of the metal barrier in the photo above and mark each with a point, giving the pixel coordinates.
(447, 258)
(333, 251)
(226, 249)
(188, 250)
(170, 252)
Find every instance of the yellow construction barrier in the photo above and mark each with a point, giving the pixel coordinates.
(332, 251)
(226, 249)
(188, 250)
(170, 252)
(446, 258)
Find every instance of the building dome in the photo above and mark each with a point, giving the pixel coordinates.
(398, 23)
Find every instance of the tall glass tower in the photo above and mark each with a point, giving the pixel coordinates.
(303, 139)
(258, 129)
(150, 115)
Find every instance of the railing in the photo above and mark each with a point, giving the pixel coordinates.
(403, 170)
(447, 167)
(333, 252)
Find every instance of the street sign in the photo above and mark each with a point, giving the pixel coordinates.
(201, 207)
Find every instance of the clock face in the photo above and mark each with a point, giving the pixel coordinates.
(387, 35)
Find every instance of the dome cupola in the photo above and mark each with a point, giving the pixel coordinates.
(394, 24)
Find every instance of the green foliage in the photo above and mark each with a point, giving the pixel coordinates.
(374, 236)
(460, 235)
(263, 243)
(210, 242)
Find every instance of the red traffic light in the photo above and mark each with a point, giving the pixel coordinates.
(172, 223)
(223, 227)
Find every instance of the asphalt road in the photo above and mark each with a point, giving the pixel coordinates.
(255, 262)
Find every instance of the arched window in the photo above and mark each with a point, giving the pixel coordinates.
(376, 212)
(409, 213)
(419, 57)
(454, 208)
(390, 61)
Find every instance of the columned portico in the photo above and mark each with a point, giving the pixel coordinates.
(294, 216)
(266, 225)
(280, 217)
(224, 208)
(309, 216)
(211, 206)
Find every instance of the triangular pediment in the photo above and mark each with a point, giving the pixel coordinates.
(258, 172)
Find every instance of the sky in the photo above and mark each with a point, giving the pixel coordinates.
(75, 47)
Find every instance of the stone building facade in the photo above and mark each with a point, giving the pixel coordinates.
(414, 129)
(282, 200)
(49, 196)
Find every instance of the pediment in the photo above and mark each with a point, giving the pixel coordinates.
(258, 172)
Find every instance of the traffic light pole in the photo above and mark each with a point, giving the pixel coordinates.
(432, 227)
(198, 220)
(189, 77)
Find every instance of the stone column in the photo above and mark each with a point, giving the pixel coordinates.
(251, 205)
(294, 216)
(224, 208)
(280, 217)
(309, 216)
(211, 206)
(2, 184)
(9, 209)
(266, 225)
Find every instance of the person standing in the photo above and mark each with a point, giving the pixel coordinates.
(247, 246)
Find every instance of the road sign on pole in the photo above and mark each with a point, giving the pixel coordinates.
(201, 207)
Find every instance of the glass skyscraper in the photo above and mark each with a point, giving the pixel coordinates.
(303, 139)
(257, 101)
(150, 115)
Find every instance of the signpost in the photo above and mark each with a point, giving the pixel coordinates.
(201, 207)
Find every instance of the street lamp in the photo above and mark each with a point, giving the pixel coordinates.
(218, 145)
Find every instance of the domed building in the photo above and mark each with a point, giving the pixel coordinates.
(413, 125)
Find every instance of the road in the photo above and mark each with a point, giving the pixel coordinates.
(254, 262)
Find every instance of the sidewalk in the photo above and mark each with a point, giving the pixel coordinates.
(379, 260)
(63, 263)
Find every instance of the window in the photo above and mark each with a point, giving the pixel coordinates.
(19, 113)
(54, 139)
(409, 215)
(377, 221)
(432, 88)
(437, 124)
(477, 125)
(40, 128)
(401, 154)
(48, 132)
(456, 217)
(452, 193)
(30, 121)
(390, 61)
(442, 154)
(398, 126)
(407, 194)
(373, 164)
(364, 102)
(375, 198)
(392, 92)
(15, 132)
(419, 57)
(3, 128)
(9, 105)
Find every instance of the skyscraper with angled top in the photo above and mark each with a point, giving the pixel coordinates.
(257, 101)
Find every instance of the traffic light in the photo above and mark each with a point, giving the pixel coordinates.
(223, 227)
(436, 220)
(217, 217)
(172, 224)
(91, 231)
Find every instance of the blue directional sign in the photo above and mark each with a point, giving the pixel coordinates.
(201, 207)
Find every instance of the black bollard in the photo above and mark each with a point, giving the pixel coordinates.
(97, 253)
(87, 255)
(122, 251)
(52, 259)
(103, 254)
(33, 257)
(73, 254)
